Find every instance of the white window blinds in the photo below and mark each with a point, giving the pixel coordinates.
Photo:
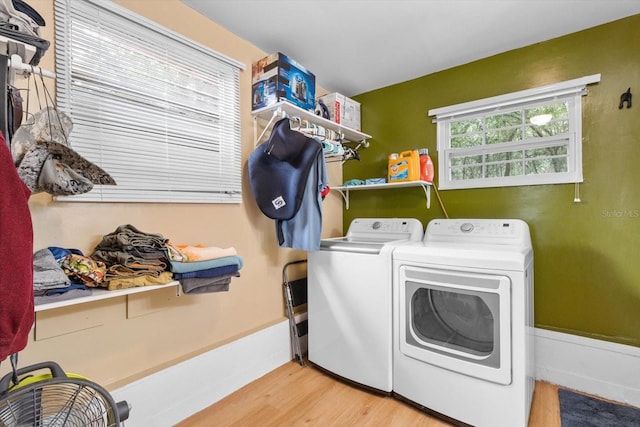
(160, 113)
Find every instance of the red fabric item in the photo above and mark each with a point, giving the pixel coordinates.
(16, 258)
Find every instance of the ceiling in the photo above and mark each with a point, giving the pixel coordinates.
(355, 46)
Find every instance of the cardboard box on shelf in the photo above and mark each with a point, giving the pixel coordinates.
(342, 110)
(277, 77)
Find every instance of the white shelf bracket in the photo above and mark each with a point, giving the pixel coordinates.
(345, 197)
(427, 194)
(276, 114)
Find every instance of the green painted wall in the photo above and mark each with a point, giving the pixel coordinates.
(587, 255)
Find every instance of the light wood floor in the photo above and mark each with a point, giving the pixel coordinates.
(294, 396)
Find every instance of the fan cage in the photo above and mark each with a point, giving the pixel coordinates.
(59, 402)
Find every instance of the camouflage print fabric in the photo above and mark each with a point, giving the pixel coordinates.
(47, 124)
(60, 179)
(47, 163)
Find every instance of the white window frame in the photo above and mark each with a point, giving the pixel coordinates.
(570, 91)
(159, 112)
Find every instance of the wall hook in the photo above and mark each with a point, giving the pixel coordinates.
(625, 97)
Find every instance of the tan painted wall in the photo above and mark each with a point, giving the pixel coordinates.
(119, 340)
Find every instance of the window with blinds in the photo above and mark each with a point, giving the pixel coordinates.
(160, 113)
(522, 138)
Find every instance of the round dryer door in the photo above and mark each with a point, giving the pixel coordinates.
(458, 320)
(454, 320)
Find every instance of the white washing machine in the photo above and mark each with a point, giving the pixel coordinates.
(349, 302)
(463, 322)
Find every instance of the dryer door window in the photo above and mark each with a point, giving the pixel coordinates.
(457, 320)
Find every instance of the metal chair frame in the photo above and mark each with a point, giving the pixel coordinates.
(295, 295)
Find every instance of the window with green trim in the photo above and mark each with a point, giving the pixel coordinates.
(524, 138)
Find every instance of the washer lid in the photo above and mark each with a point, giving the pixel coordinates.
(348, 244)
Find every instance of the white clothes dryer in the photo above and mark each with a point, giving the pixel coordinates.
(349, 305)
(463, 322)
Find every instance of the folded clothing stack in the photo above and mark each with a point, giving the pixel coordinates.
(133, 258)
(201, 269)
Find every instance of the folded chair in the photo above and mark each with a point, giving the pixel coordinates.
(295, 296)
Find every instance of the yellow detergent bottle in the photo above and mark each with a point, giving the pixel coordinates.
(404, 167)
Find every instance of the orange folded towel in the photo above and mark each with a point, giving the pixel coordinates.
(188, 253)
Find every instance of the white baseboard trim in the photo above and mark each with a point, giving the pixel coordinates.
(175, 393)
(601, 368)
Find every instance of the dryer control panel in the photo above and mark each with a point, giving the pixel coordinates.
(490, 231)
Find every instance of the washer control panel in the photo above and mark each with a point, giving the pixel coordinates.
(386, 228)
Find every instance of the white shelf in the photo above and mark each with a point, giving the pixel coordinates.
(101, 294)
(345, 190)
(284, 108)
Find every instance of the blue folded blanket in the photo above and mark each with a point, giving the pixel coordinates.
(208, 273)
(186, 267)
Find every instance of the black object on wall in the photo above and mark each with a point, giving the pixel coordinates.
(625, 98)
